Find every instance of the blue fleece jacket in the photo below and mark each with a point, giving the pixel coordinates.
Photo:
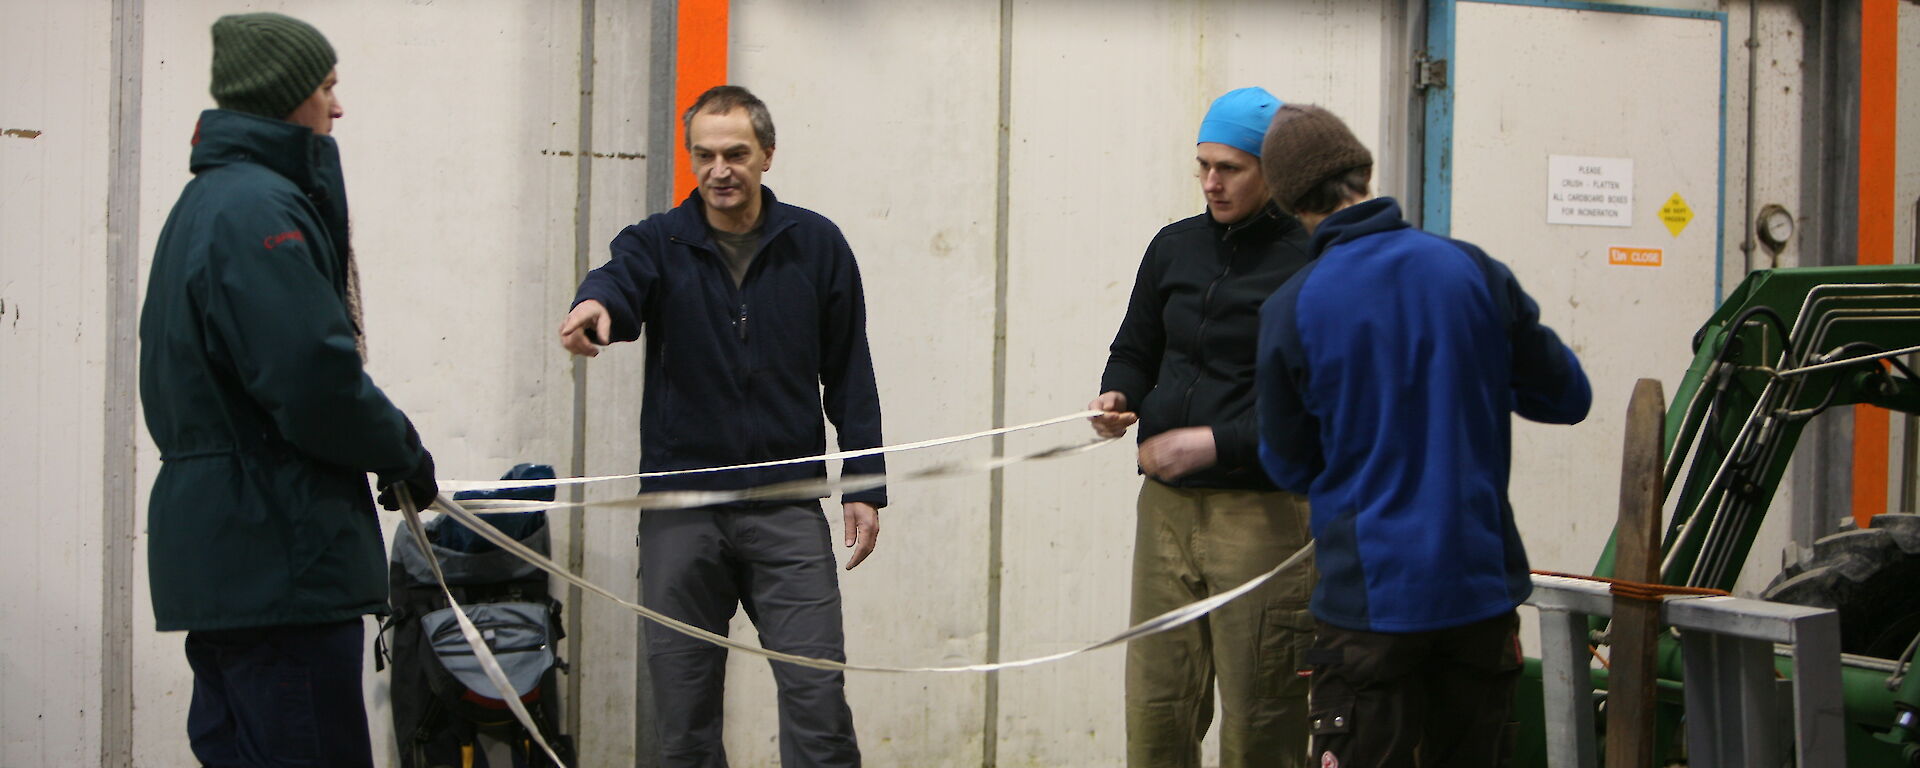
(739, 374)
(1386, 372)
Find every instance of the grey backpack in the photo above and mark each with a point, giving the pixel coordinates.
(442, 700)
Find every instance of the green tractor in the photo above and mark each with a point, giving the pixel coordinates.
(1787, 345)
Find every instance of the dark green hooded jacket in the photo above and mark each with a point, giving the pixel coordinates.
(255, 392)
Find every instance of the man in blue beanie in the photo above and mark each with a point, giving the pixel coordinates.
(1208, 519)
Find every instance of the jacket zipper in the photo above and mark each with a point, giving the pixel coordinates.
(755, 447)
(740, 291)
(1200, 333)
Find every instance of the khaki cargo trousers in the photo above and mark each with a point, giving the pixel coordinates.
(1192, 543)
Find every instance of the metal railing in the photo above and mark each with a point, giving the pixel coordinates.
(1735, 710)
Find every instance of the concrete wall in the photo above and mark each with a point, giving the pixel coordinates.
(55, 116)
(891, 135)
(457, 144)
(997, 270)
(1105, 107)
(1778, 94)
(1102, 110)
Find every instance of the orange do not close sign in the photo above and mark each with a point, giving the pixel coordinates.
(1634, 257)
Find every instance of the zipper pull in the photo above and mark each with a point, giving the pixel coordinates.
(741, 324)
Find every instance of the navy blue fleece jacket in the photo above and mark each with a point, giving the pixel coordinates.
(1387, 372)
(736, 375)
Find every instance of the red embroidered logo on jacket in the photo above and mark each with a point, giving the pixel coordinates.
(291, 234)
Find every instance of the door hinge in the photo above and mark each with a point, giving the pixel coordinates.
(1429, 73)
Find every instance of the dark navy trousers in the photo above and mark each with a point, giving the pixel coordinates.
(267, 697)
(696, 565)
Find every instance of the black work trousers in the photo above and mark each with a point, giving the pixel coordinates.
(696, 565)
(1439, 698)
(275, 697)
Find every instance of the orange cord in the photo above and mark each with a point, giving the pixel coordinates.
(1640, 590)
(1635, 590)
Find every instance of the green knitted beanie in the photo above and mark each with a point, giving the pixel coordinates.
(267, 64)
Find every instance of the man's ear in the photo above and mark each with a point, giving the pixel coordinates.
(768, 164)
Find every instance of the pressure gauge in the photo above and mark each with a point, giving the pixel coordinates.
(1774, 228)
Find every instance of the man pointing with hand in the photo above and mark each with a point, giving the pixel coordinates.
(755, 325)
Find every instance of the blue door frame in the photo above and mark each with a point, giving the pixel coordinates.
(1436, 211)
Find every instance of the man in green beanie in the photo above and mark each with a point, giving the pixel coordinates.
(265, 547)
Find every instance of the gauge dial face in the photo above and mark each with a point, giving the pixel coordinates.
(1779, 226)
(1775, 227)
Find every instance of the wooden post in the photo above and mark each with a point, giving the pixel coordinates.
(1635, 632)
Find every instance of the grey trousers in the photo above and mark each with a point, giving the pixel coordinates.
(696, 565)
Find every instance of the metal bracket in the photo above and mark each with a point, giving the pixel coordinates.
(1432, 73)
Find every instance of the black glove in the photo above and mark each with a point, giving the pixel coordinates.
(419, 484)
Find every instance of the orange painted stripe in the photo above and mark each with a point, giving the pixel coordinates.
(1879, 107)
(699, 63)
(1871, 431)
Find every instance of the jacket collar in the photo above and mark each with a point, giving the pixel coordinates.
(687, 222)
(1380, 214)
(224, 137)
(1269, 221)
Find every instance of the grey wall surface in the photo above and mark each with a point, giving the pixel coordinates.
(998, 168)
(55, 118)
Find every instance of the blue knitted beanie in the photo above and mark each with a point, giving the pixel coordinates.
(1239, 119)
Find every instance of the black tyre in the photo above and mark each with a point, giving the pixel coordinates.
(1871, 576)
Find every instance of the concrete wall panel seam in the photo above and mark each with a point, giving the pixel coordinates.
(123, 279)
(577, 462)
(661, 154)
(997, 485)
(660, 118)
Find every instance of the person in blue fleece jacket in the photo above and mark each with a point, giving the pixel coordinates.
(1386, 372)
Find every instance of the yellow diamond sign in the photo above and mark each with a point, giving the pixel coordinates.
(1676, 214)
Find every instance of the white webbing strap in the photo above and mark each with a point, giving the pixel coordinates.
(497, 485)
(1157, 624)
(813, 488)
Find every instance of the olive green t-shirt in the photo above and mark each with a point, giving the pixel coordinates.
(737, 249)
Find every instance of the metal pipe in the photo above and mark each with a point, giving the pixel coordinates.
(1849, 361)
(1753, 77)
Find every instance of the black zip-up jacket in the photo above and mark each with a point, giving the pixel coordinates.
(1184, 356)
(734, 375)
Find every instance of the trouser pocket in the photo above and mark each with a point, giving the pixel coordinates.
(1286, 632)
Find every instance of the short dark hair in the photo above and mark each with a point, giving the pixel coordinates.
(1333, 192)
(722, 99)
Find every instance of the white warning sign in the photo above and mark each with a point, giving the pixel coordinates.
(1590, 191)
